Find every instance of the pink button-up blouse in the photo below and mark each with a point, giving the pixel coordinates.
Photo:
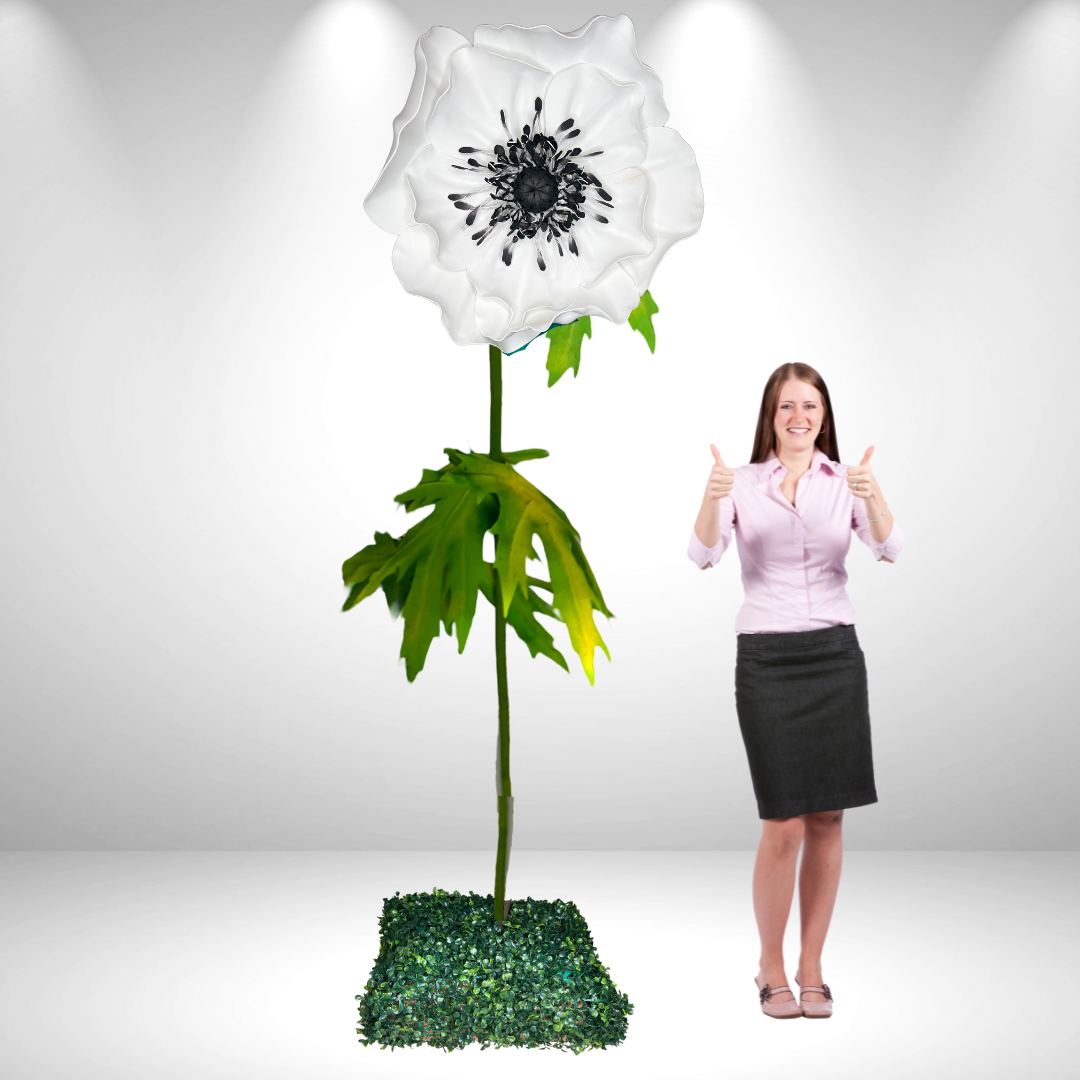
(793, 556)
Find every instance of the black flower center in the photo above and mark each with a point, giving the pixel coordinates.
(536, 190)
(536, 184)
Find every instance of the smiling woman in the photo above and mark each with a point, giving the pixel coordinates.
(800, 676)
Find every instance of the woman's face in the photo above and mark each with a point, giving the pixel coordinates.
(800, 407)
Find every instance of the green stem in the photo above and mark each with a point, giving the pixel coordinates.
(495, 358)
(502, 771)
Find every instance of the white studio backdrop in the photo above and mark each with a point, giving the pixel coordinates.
(213, 386)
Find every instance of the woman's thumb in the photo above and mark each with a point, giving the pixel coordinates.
(716, 454)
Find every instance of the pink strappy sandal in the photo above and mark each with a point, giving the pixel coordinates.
(816, 1010)
(778, 1010)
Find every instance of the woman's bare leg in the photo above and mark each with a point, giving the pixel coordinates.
(774, 886)
(819, 879)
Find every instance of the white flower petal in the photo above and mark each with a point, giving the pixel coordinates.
(605, 112)
(482, 83)
(608, 43)
(421, 274)
(542, 319)
(390, 203)
(432, 177)
(675, 204)
(599, 245)
(614, 295)
(518, 340)
(523, 285)
(493, 321)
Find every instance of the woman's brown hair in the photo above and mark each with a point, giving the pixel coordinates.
(765, 438)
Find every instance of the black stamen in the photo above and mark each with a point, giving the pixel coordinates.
(535, 185)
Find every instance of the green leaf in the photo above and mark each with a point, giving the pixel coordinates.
(525, 511)
(512, 457)
(564, 352)
(641, 319)
(358, 570)
(435, 570)
(432, 573)
(521, 618)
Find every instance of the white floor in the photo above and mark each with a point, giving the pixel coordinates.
(205, 965)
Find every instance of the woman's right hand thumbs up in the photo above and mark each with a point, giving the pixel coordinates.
(721, 478)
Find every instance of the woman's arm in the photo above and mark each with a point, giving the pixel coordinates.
(707, 525)
(879, 530)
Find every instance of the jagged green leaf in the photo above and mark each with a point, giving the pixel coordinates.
(363, 564)
(521, 617)
(524, 512)
(358, 570)
(434, 571)
(641, 319)
(564, 352)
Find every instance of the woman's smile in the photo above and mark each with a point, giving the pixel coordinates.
(800, 414)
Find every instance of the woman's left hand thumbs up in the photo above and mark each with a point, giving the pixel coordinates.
(861, 479)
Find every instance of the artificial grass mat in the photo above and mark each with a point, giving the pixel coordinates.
(444, 976)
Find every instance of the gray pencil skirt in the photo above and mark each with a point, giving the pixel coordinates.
(804, 714)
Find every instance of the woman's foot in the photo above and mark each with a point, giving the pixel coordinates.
(774, 976)
(810, 976)
(779, 1003)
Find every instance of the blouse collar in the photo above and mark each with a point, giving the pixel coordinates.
(820, 461)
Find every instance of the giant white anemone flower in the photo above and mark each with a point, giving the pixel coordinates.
(531, 179)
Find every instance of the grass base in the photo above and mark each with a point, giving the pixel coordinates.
(446, 977)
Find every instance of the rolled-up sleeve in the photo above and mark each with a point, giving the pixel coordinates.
(890, 547)
(705, 557)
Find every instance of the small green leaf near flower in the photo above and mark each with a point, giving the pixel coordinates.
(641, 319)
(564, 352)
